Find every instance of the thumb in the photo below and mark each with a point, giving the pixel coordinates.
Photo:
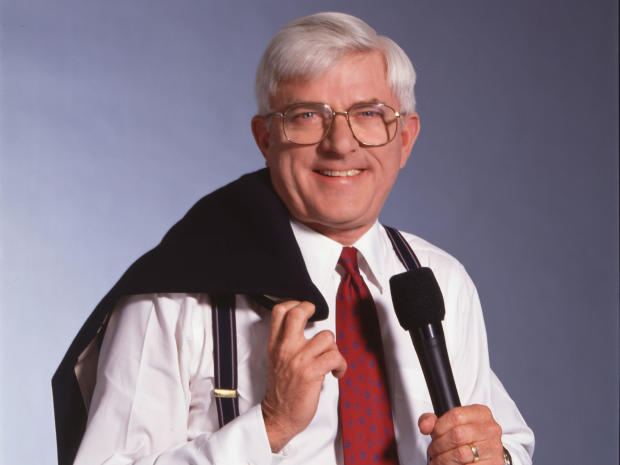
(426, 423)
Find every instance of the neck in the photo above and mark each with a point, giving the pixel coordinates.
(344, 236)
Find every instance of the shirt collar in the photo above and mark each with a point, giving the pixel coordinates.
(373, 248)
(321, 253)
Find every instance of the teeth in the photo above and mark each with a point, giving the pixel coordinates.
(340, 173)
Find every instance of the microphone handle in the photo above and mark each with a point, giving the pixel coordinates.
(430, 345)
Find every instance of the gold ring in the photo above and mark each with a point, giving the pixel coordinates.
(474, 450)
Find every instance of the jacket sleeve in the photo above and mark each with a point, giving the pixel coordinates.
(152, 401)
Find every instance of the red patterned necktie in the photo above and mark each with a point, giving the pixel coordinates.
(364, 404)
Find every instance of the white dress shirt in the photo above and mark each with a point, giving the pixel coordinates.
(153, 401)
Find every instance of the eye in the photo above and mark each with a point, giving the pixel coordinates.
(367, 112)
(370, 114)
(302, 116)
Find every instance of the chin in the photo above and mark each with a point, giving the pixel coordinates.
(343, 223)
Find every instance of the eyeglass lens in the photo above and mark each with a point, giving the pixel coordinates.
(371, 124)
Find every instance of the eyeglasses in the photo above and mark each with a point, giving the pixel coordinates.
(372, 124)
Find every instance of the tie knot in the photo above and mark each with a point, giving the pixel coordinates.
(348, 260)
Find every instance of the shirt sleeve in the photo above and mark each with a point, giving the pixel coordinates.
(154, 383)
(477, 384)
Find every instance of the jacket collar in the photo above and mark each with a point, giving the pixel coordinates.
(238, 240)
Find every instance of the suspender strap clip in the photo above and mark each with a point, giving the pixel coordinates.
(225, 393)
(225, 357)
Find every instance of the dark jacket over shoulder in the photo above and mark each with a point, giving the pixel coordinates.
(237, 240)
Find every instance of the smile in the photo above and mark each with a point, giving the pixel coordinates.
(340, 173)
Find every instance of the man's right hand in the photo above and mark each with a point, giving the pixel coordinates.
(297, 368)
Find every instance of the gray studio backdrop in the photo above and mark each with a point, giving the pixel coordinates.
(117, 115)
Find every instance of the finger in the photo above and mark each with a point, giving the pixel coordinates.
(459, 455)
(295, 320)
(489, 452)
(277, 317)
(469, 425)
(461, 416)
(319, 343)
(426, 423)
(333, 361)
(340, 370)
(486, 436)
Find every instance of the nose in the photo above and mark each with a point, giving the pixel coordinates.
(339, 140)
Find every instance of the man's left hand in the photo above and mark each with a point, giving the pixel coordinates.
(457, 430)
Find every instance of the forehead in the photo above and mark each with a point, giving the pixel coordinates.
(359, 77)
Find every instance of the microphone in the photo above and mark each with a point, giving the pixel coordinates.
(419, 306)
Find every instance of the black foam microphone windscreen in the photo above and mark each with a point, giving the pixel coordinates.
(419, 306)
(417, 298)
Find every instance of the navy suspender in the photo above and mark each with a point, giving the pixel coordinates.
(225, 337)
(225, 357)
(402, 248)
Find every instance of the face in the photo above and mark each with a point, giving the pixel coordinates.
(338, 186)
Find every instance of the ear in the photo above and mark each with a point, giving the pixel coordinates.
(261, 133)
(408, 134)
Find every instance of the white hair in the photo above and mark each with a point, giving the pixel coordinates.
(308, 46)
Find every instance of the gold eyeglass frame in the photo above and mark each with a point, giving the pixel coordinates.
(284, 116)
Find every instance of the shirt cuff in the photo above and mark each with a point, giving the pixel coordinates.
(242, 441)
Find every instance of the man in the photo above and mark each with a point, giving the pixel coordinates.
(336, 123)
